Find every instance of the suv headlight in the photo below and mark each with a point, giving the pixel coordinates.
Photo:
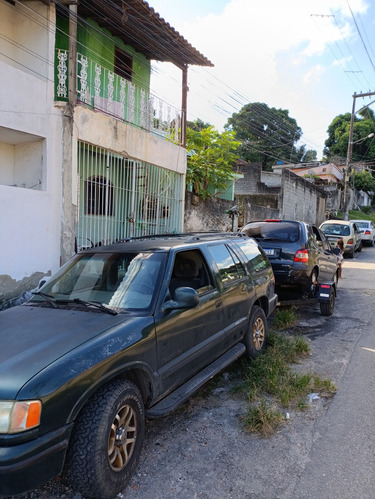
(19, 416)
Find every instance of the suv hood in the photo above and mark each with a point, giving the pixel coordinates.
(33, 337)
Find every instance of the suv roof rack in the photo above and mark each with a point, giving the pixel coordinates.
(192, 236)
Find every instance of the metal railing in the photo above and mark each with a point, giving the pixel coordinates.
(105, 91)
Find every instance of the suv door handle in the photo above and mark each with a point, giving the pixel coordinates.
(218, 304)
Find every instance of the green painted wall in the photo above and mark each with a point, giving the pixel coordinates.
(99, 45)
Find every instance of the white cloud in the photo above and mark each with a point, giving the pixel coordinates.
(313, 75)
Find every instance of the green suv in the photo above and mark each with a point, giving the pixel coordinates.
(118, 334)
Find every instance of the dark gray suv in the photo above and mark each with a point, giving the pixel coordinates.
(300, 254)
(121, 332)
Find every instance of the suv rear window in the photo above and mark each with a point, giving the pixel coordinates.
(363, 225)
(280, 231)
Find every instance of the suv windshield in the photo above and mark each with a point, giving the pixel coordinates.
(280, 231)
(122, 282)
(336, 229)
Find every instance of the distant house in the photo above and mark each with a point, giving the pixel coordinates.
(88, 154)
(330, 177)
(329, 173)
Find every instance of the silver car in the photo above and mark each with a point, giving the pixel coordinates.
(367, 229)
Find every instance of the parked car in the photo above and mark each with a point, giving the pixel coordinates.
(299, 253)
(120, 332)
(367, 229)
(348, 231)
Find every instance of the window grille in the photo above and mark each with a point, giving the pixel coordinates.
(121, 197)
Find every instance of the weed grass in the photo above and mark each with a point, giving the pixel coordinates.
(284, 317)
(359, 215)
(272, 387)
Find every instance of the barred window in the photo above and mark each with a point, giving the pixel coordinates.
(99, 196)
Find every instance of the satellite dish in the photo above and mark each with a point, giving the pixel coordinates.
(311, 172)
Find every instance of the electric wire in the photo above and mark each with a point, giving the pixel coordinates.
(360, 35)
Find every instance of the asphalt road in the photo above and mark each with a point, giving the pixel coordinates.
(202, 451)
(342, 458)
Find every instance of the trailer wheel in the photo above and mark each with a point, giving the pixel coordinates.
(326, 308)
(309, 290)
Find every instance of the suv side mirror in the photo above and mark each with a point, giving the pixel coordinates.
(185, 298)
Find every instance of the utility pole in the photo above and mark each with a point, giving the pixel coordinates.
(348, 167)
(348, 162)
(72, 77)
(185, 89)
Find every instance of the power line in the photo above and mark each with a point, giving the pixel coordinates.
(360, 35)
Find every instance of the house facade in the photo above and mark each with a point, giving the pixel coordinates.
(88, 155)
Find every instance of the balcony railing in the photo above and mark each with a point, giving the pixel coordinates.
(105, 91)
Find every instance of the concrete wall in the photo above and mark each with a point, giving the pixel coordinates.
(109, 133)
(301, 200)
(250, 211)
(207, 215)
(271, 179)
(30, 137)
(334, 198)
(294, 198)
(286, 196)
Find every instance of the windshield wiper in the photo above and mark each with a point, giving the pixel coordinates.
(49, 298)
(98, 305)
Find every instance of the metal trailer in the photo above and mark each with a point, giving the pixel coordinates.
(324, 293)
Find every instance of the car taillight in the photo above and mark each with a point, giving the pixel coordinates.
(350, 241)
(301, 255)
(367, 232)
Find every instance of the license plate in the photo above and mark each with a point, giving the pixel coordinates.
(269, 251)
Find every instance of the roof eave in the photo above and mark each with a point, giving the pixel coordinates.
(138, 25)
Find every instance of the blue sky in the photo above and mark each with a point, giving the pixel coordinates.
(305, 56)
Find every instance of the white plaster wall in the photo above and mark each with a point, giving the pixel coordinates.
(128, 140)
(7, 164)
(18, 45)
(28, 234)
(271, 179)
(30, 220)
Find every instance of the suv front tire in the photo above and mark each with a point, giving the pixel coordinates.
(107, 441)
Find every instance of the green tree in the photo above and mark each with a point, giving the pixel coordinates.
(198, 125)
(267, 135)
(211, 158)
(338, 136)
(364, 181)
(305, 155)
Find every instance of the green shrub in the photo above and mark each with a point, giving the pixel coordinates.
(366, 210)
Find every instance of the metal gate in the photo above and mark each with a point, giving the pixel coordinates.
(120, 197)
